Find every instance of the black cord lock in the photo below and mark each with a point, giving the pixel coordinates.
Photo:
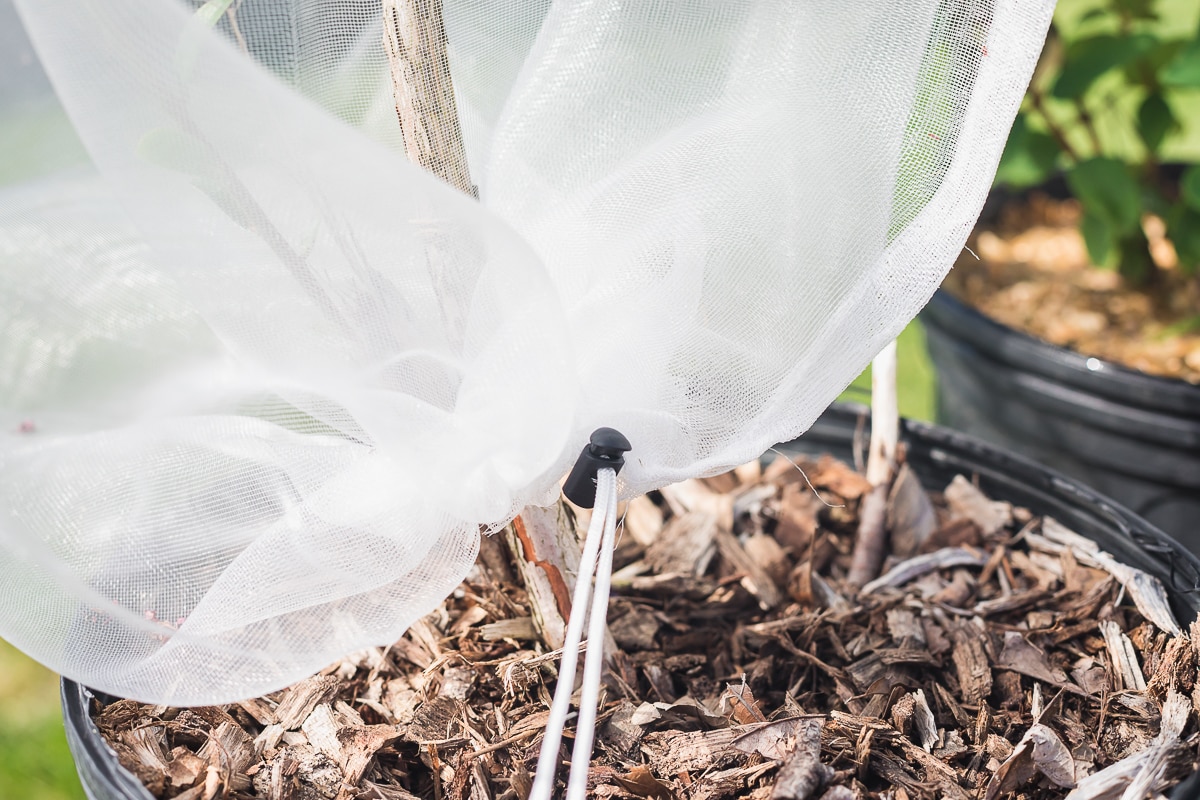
(606, 450)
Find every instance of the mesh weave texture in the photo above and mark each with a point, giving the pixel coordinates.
(263, 381)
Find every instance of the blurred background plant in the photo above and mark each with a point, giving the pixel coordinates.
(1116, 82)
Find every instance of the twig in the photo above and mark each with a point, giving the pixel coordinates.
(1085, 119)
(1039, 104)
(233, 26)
(870, 545)
(500, 745)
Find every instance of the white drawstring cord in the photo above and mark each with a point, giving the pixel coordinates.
(585, 726)
(543, 782)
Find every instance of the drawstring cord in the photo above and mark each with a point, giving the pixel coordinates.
(543, 782)
(585, 728)
(597, 466)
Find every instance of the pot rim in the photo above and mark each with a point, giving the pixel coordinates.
(88, 746)
(1021, 350)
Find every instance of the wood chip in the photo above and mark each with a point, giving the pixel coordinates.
(691, 751)
(911, 517)
(229, 751)
(802, 774)
(1124, 657)
(519, 629)
(548, 558)
(643, 520)
(685, 545)
(967, 501)
(299, 700)
(971, 664)
(1146, 591)
(917, 566)
(1148, 771)
(262, 711)
(923, 721)
(756, 580)
(766, 552)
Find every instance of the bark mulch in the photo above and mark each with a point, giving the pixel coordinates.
(1008, 657)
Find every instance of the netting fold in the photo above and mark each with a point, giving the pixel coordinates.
(263, 380)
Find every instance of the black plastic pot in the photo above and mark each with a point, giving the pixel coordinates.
(102, 776)
(1134, 437)
(937, 454)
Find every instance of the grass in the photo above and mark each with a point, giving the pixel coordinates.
(915, 387)
(34, 761)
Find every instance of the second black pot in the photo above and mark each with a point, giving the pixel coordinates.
(1134, 437)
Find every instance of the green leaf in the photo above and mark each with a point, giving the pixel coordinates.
(1088, 59)
(1189, 187)
(1155, 120)
(1164, 52)
(1183, 71)
(203, 20)
(1137, 9)
(1098, 237)
(211, 12)
(1108, 191)
(1133, 258)
(1183, 229)
(1029, 157)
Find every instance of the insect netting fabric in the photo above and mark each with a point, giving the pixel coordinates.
(263, 381)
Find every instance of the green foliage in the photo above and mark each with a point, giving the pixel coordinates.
(1155, 120)
(1088, 59)
(1113, 95)
(1184, 70)
(1030, 155)
(1107, 190)
(1189, 187)
(34, 759)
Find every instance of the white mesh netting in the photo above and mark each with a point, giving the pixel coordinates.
(262, 380)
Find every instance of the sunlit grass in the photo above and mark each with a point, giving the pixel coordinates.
(914, 377)
(34, 761)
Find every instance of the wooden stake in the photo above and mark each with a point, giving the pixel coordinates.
(546, 552)
(544, 542)
(415, 39)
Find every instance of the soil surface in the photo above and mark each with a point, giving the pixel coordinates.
(1033, 274)
(1001, 656)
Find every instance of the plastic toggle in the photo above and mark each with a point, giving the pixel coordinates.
(605, 450)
